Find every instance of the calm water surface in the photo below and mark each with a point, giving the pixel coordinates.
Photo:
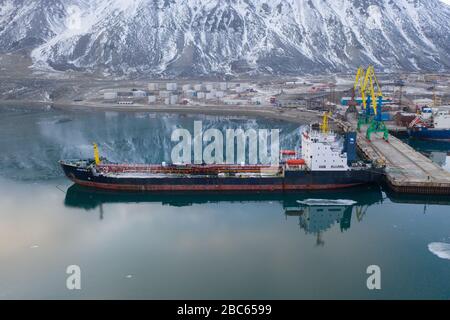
(198, 246)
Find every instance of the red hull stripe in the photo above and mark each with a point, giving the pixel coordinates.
(149, 187)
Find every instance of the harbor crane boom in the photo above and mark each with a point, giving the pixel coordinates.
(370, 81)
(373, 88)
(359, 84)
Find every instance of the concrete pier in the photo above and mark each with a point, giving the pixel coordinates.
(407, 170)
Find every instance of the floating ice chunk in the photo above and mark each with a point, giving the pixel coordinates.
(129, 276)
(35, 246)
(327, 202)
(441, 249)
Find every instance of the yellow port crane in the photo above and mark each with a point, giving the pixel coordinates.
(365, 81)
(370, 81)
(359, 84)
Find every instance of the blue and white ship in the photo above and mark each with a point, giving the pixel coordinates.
(431, 124)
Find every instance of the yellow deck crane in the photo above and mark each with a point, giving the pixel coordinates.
(96, 154)
(375, 98)
(324, 125)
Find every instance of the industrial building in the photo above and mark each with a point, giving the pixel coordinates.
(200, 95)
(223, 86)
(153, 86)
(164, 94)
(139, 94)
(151, 99)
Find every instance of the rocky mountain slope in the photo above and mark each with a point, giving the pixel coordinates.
(195, 37)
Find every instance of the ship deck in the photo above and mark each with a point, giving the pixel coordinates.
(187, 171)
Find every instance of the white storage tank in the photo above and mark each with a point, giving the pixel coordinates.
(209, 96)
(198, 87)
(167, 101)
(245, 86)
(171, 86)
(190, 93)
(164, 94)
(223, 86)
(220, 94)
(201, 95)
(151, 99)
(153, 86)
(186, 87)
(110, 95)
(257, 100)
(174, 99)
(125, 102)
(209, 87)
(234, 101)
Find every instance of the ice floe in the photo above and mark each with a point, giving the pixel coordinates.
(441, 249)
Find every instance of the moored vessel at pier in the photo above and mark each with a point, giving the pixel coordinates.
(431, 124)
(326, 163)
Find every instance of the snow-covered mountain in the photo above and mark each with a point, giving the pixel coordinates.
(193, 37)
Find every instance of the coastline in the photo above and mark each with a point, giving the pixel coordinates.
(293, 115)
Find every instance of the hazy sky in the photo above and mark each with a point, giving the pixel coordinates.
(446, 1)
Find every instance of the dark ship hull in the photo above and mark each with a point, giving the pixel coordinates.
(430, 134)
(208, 178)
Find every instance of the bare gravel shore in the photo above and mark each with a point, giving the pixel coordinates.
(291, 115)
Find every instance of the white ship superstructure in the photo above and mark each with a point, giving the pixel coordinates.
(323, 152)
(441, 120)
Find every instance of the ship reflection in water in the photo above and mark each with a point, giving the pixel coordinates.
(321, 215)
(316, 215)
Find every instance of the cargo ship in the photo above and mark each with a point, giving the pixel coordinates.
(325, 163)
(431, 124)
